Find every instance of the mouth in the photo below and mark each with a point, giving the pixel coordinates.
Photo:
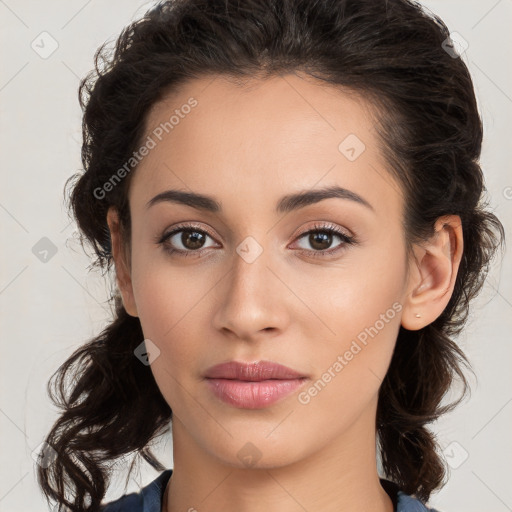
(252, 385)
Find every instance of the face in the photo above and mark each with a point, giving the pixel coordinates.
(315, 285)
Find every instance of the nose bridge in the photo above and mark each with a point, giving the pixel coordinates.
(250, 301)
(250, 267)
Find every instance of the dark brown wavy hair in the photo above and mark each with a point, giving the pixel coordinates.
(390, 51)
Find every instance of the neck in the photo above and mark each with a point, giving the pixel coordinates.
(342, 477)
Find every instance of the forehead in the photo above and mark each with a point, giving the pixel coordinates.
(258, 137)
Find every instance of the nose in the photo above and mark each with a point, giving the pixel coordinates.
(253, 301)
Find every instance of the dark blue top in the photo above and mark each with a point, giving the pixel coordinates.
(149, 498)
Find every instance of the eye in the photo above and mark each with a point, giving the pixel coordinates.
(188, 240)
(321, 238)
(185, 240)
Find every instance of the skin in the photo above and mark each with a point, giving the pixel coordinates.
(248, 146)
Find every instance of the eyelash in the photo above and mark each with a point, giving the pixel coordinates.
(317, 228)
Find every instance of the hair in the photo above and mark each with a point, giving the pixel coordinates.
(389, 51)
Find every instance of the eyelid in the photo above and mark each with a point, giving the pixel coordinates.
(324, 226)
(188, 225)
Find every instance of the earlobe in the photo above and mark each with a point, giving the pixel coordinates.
(433, 274)
(122, 265)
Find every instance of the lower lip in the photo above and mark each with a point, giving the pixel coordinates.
(253, 395)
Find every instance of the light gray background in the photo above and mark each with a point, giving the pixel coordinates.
(49, 308)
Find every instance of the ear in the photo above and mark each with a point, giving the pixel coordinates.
(122, 263)
(432, 274)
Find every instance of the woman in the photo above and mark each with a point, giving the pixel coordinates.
(290, 194)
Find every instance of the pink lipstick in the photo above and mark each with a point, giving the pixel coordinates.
(253, 385)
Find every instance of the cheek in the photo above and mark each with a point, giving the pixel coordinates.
(351, 365)
(358, 313)
(360, 292)
(167, 302)
(170, 309)
(164, 291)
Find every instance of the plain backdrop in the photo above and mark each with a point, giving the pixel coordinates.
(50, 303)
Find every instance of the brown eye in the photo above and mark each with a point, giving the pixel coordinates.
(185, 241)
(320, 240)
(192, 239)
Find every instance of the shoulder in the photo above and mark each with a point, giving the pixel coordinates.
(407, 503)
(402, 502)
(148, 499)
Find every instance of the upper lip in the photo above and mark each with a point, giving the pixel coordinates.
(257, 371)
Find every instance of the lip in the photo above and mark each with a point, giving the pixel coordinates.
(254, 372)
(252, 385)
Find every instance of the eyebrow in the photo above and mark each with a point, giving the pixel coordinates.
(286, 204)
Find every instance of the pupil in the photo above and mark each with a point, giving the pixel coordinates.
(196, 238)
(320, 240)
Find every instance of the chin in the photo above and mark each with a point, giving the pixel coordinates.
(257, 452)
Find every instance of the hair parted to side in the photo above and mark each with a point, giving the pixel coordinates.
(391, 52)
